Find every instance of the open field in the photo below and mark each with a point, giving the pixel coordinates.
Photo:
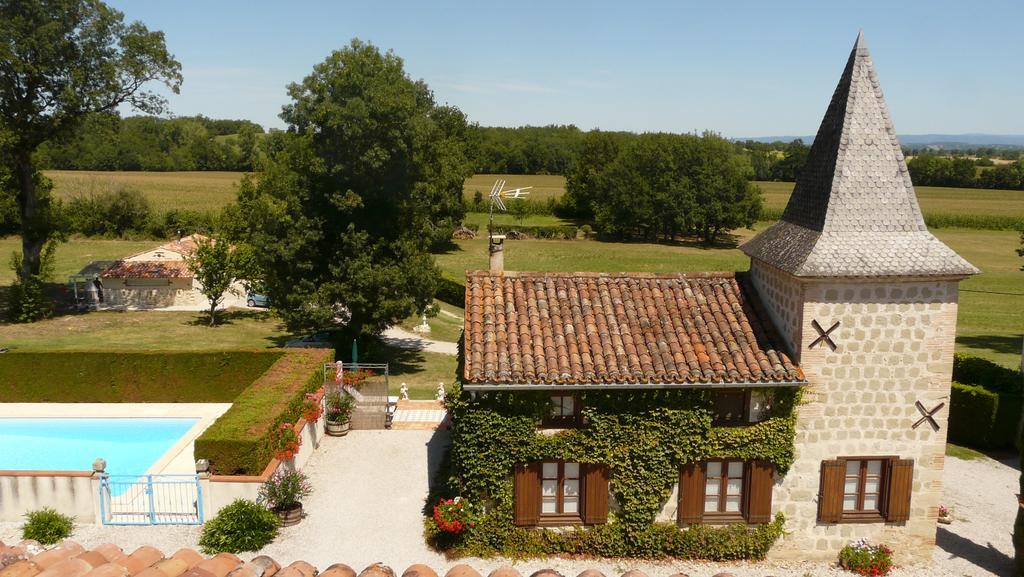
(933, 200)
(204, 191)
(545, 186)
(991, 320)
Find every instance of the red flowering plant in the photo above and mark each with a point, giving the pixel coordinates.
(286, 442)
(355, 379)
(312, 408)
(454, 515)
(864, 558)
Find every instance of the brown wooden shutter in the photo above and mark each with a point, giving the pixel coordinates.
(526, 488)
(830, 494)
(691, 494)
(762, 481)
(595, 494)
(901, 484)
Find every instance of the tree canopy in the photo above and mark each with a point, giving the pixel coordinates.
(60, 61)
(367, 178)
(661, 186)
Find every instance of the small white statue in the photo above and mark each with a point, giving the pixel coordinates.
(440, 392)
(403, 392)
(423, 327)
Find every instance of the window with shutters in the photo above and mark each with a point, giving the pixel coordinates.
(560, 490)
(723, 489)
(726, 491)
(565, 412)
(865, 489)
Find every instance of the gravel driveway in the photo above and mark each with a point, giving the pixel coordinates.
(370, 488)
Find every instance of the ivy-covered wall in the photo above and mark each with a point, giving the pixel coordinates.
(644, 437)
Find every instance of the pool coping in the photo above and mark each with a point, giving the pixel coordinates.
(205, 413)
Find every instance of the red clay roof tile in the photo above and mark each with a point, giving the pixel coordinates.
(593, 328)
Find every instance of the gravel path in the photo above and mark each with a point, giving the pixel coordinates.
(403, 339)
(370, 488)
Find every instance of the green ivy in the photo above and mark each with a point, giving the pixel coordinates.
(644, 437)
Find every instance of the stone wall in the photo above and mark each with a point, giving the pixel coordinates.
(894, 346)
(177, 292)
(782, 295)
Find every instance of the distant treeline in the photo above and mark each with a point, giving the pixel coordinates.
(930, 170)
(109, 142)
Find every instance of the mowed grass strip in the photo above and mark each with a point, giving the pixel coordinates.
(145, 331)
(120, 377)
(202, 191)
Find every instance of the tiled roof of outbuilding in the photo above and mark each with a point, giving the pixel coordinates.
(618, 329)
(69, 559)
(148, 269)
(853, 211)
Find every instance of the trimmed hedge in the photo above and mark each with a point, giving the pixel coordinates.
(972, 415)
(239, 442)
(98, 377)
(985, 406)
(451, 291)
(559, 232)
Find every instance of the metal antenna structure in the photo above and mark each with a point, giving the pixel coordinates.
(498, 193)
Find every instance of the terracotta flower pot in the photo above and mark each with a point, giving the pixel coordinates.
(337, 429)
(289, 517)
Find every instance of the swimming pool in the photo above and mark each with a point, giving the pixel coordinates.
(130, 446)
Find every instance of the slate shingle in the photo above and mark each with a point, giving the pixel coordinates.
(853, 211)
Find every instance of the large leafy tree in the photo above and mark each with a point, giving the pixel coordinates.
(61, 60)
(349, 201)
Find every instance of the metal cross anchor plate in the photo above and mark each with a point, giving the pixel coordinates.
(824, 335)
(928, 415)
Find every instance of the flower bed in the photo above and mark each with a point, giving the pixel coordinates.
(864, 558)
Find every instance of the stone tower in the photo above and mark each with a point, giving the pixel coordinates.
(866, 299)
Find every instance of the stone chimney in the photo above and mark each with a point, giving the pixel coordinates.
(496, 248)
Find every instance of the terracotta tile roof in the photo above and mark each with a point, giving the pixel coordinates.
(69, 559)
(853, 211)
(591, 328)
(148, 269)
(187, 245)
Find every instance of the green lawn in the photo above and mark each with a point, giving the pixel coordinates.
(964, 453)
(205, 191)
(933, 200)
(137, 331)
(991, 319)
(445, 326)
(545, 186)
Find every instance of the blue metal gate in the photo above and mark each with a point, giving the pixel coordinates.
(151, 500)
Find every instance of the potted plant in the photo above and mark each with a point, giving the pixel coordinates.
(286, 442)
(864, 558)
(356, 379)
(945, 515)
(339, 412)
(283, 492)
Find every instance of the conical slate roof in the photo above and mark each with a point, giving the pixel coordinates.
(853, 212)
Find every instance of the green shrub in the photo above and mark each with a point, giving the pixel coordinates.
(1005, 384)
(47, 526)
(451, 291)
(241, 526)
(557, 232)
(240, 441)
(972, 415)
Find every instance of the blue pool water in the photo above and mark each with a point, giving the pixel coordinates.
(130, 446)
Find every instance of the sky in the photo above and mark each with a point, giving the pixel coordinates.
(738, 68)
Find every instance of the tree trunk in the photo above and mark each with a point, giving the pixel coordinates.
(33, 232)
(213, 314)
